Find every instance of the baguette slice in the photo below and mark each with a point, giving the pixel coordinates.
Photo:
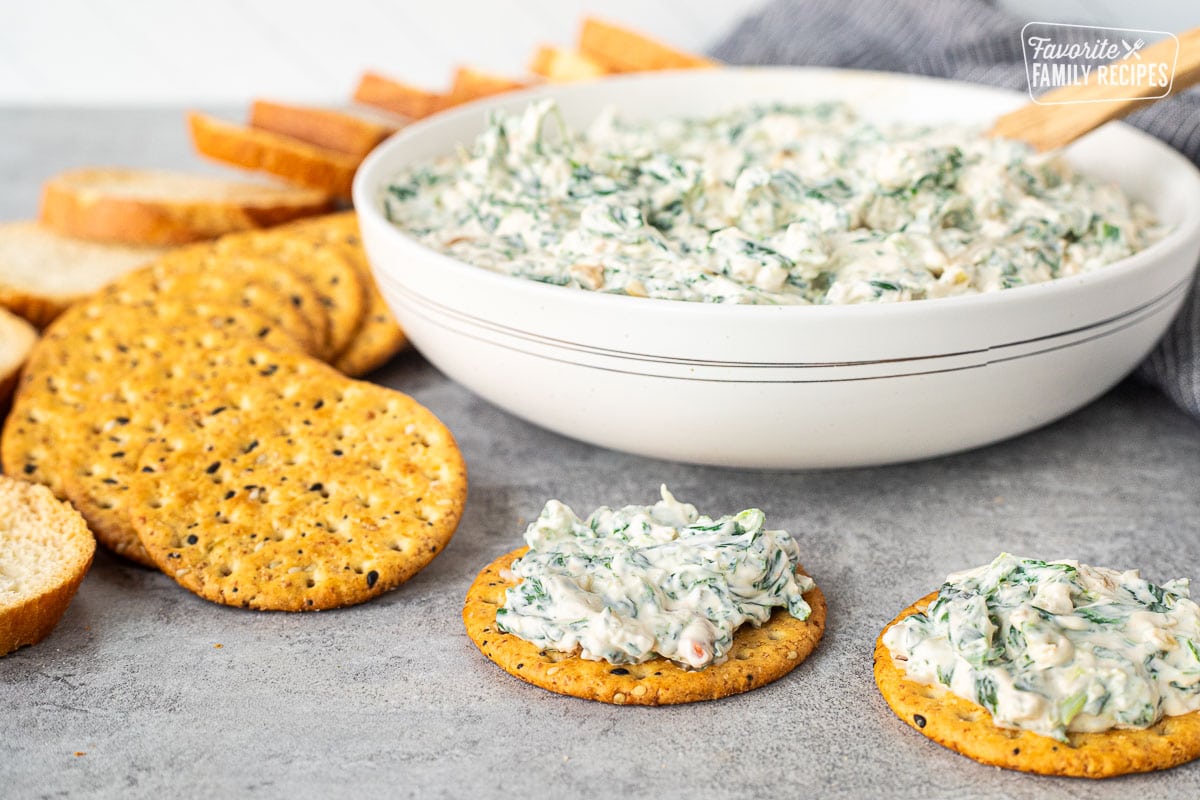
(333, 130)
(41, 272)
(471, 84)
(283, 156)
(156, 207)
(45, 550)
(622, 50)
(17, 338)
(560, 65)
(396, 97)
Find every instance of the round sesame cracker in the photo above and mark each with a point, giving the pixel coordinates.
(759, 655)
(136, 362)
(378, 339)
(379, 336)
(967, 728)
(201, 273)
(61, 377)
(337, 281)
(285, 486)
(85, 406)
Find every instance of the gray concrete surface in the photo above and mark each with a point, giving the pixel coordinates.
(145, 690)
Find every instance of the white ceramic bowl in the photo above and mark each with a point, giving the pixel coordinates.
(787, 387)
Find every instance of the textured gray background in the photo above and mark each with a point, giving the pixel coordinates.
(391, 699)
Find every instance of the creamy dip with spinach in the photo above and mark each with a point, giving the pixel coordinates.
(626, 585)
(767, 204)
(1057, 646)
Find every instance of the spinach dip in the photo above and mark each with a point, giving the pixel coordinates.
(629, 584)
(1057, 646)
(766, 204)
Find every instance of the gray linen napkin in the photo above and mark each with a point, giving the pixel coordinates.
(966, 40)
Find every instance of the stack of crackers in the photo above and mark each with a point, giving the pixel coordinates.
(190, 413)
(96, 224)
(196, 409)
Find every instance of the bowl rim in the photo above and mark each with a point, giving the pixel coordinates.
(367, 189)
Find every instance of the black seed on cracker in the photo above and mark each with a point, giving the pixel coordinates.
(217, 410)
(318, 404)
(193, 539)
(119, 454)
(316, 487)
(30, 468)
(372, 577)
(619, 671)
(213, 467)
(122, 420)
(250, 447)
(918, 720)
(229, 495)
(269, 370)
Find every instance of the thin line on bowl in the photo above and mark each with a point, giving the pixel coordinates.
(1146, 311)
(564, 344)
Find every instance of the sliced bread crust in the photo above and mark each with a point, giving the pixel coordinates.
(472, 84)
(45, 550)
(159, 207)
(334, 130)
(396, 97)
(17, 338)
(43, 272)
(283, 156)
(622, 50)
(561, 65)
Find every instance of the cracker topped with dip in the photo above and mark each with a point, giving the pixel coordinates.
(647, 605)
(1053, 667)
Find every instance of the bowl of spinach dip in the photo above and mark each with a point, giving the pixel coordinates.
(781, 267)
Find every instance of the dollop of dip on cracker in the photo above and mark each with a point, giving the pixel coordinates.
(1057, 646)
(627, 585)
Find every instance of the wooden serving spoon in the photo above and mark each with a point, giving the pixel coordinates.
(1090, 106)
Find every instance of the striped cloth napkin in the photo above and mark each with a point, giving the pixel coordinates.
(967, 40)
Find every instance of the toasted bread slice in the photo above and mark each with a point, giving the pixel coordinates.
(471, 84)
(396, 97)
(333, 130)
(17, 338)
(622, 50)
(41, 272)
(283, 156)
(156, 207)
(45, 550)
(560, 65)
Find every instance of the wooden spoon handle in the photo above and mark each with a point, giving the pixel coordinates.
(1093, 104)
